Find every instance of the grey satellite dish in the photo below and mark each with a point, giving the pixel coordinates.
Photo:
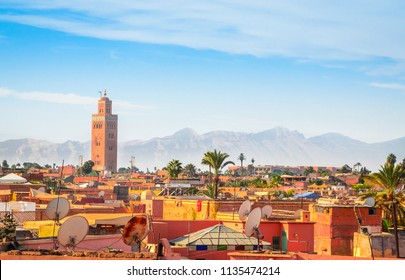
(281, 196)
(73, 231)
(370, 202)
(101, 194)
(57, 209)
(266, 211)
(252, 225)
(42, 189)
(244, 210)
(133, 196)
(253, 222)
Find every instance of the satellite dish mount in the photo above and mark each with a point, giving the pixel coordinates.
(252, 226)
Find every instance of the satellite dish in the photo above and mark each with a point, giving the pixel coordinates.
(58, 208)
(136, 229)
(370, 202)
(133, 196)
(42, 189)
(101, 194)
(73, 231)
(244, 210)
(281, 196)
(253, 222)
(266, 211)
(297, 214)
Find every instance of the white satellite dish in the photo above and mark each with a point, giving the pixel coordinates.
(42, 189)
(136, 230)
(370, 202)
(101, 194)
(58, 208)
(266, 211)
(133, 196)
(73, 231)
(253, 222)
(281, 196)
(244, 210)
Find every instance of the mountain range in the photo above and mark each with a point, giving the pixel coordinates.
(277, 146)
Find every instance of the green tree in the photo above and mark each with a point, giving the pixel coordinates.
(360, 187)
(287, 172)
(216, 161)
(253, 166)
(174, 168)
(87, 167)
(4, 164)
(324, 172)
(289, 193)
(308, 171)
(209, 191)
(391, 159)
(259, 183)
(190, 170)
(390, 179)
(241, 158)
(124, 170)
(276, 181)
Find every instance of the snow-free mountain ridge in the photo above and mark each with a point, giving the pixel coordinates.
(277, 146)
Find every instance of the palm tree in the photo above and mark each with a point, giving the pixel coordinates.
(208, 191)
(241, 158)
(391, 159)
(190, 170)
(216, 160)
(276, 181)
(391, 199)
(174, 168)
(253, 167)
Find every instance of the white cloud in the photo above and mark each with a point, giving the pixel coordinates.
(5, 91)
(68, 98)
(393, 86)
(306, 29)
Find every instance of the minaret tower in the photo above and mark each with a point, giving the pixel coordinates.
(104, 136)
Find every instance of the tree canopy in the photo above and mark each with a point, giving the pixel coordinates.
(216, 160)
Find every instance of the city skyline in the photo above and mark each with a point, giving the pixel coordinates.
(315, 68)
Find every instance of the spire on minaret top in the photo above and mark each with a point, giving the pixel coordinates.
(105, 92)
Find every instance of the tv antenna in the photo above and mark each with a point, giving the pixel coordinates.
(252, 225)
(244, 210)
(136, 230)
(267, 211)
(73, 231)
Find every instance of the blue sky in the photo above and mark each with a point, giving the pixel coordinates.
(311, 66)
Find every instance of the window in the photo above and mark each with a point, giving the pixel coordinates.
(276, 242)
(371, 211)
